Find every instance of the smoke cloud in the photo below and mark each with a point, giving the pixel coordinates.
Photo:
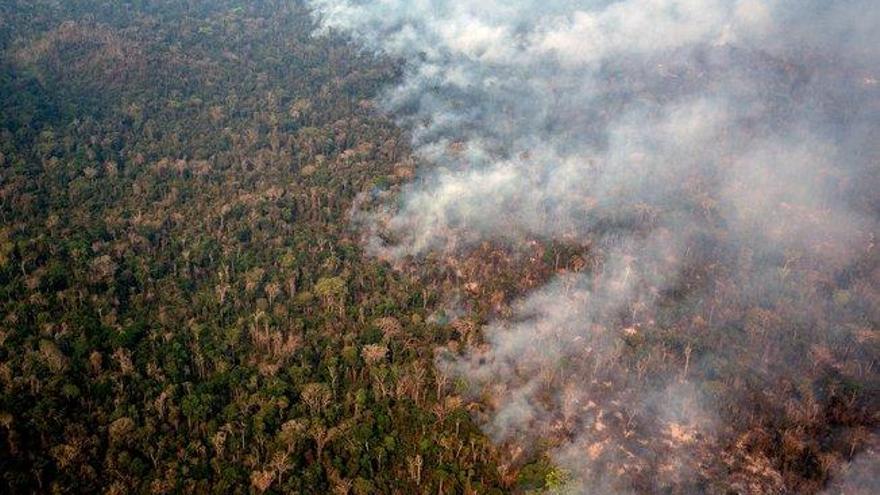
(717, 156)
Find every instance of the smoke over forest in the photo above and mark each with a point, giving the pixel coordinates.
(709, 172)
(361, 247)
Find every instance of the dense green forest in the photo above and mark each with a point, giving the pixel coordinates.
(183, 306)
(187, 304)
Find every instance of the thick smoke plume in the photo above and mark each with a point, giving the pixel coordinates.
(710, 157)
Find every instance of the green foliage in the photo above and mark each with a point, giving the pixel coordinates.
(558, 481)
(175, 261)
(330, 288)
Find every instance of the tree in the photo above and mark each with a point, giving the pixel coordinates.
(316, 396)
(332, 291)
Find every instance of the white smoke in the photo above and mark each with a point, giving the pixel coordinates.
(648, 126)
